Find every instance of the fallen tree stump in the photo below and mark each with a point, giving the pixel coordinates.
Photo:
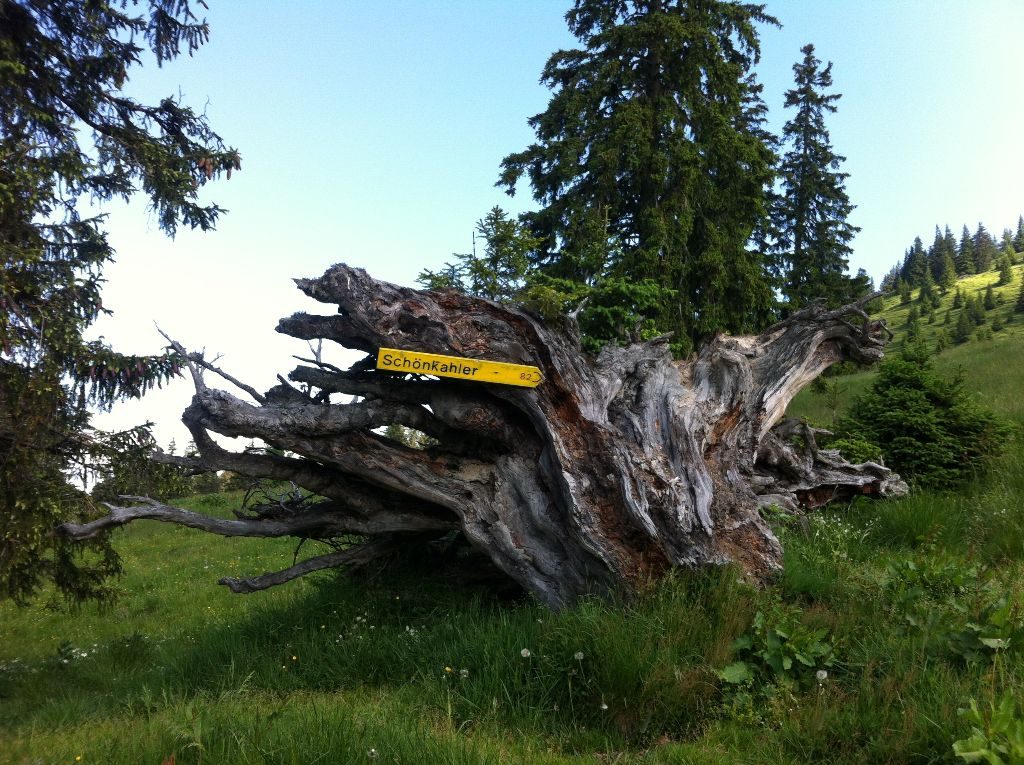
(610, 472)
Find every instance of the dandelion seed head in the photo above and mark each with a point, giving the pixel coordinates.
(525, 653)
(578, 656)
(821, 675)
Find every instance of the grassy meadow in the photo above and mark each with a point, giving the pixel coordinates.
(890, 618)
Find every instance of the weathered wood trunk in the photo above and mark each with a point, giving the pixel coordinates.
(610, 472)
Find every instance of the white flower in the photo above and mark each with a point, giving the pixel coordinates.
(578, 656)
(604, 707)
(463, 673)
(372, 754)
(821, 675)
(525, 653)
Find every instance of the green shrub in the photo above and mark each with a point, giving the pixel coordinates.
(929, 428)
(856, 449)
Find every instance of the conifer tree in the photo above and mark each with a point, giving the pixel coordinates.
(913, 330)
(1007, 241)
(1005, 270)
(984, 249)
(70, 135)
(1018, 239)
(951, 248)
(651, 162)
(905, 292)
(965, 265)
(915, 263)
(891, 281)
(990, 299)
(500, 272)
(975, 310)
(964, 328)
(942, 259)
(810, 215)
(1009, 252)
(927, 295)
(927, 426)
(1019, 307)
(958, 298)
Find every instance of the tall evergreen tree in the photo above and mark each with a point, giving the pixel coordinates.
(68, 132)
(810, 217)
(965, 265)
(915, 263)
(985, 250)
(1018, 238)
(941, 257)
(651, 161)
(891, 281)
(500, 272)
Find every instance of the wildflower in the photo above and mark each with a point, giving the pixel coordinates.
(372, 754)
(295, 658)
(448, 669)
(578, 656)
(604, 707)
(525, 653)
(463, 673)
(78, 758)
(821, 675)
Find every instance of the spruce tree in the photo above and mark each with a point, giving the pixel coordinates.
(990, 298)
(905, 292)
(927, 295)
(891, 281)
(497, 274)
(949, 247)
(964, 328)
(915, 263)
(928, 427)
(651, 162)
(1019, 306)
(69, 136)
(1018, 239)
(943, 259)
(975, 310)
(958, 298)
(965, 265)
(1005, 270)
(810, 215)
(985, 249)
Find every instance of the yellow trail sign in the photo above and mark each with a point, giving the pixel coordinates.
(458, 367)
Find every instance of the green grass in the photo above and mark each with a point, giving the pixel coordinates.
(399, 666)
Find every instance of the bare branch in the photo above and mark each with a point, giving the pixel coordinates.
(198, 359)
(353, 557)
(322, 520)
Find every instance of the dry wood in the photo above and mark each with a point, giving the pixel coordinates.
(612, 471)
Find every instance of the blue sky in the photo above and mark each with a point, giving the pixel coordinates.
(371, 133)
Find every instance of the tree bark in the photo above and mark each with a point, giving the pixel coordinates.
(609, 473)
